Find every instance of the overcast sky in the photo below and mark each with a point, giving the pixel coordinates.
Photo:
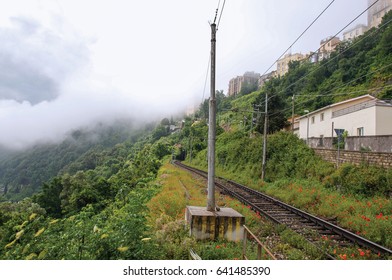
(67, 63)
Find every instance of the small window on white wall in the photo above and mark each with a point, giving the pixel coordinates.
(312, 119)
(360, 131)
(321, 117)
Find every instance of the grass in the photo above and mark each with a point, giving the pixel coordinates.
(178, 189)
(367, 217)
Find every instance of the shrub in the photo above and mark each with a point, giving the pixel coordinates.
(361, 180)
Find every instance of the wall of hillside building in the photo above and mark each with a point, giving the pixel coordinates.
(355, 157)
(380, 144)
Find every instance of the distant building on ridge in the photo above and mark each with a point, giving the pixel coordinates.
(376, 12)
(282, 65)
(236, 84)
(327, 46)
(354, 32)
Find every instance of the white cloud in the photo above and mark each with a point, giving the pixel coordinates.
(74, 62)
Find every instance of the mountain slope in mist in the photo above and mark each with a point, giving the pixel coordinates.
(23, 173)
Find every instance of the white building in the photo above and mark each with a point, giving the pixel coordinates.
(377, 11)
(360, 116)
(354, 32)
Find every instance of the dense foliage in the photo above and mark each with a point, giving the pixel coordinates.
(98, 213)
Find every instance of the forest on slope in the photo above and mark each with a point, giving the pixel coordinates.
(22, 172)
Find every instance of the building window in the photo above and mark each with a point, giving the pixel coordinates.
(321, 117)
(313, 120)
(360, 131)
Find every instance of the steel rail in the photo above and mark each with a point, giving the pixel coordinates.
(353, 238)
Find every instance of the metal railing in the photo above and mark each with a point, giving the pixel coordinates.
(260, 246)
(194, 255)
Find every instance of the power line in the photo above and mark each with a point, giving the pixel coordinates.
(360, 77)
(310, 97)
(332, 95)
(205, 81)
(223, 6)
(348, 24)
(329, 61)
(300, 36)
(328, 42)
(344, 93)
(216, 11)
(338, 87)
(209, 57)
(336, 57)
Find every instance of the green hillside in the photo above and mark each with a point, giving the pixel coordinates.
(22, 173)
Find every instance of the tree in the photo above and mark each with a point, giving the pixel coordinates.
(247, 88)
(276, 116)
(165, 121)
(49, 197)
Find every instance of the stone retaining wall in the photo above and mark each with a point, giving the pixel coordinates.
(355, 157)
(379, 144)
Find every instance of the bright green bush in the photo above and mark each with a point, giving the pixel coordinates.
(362, 180)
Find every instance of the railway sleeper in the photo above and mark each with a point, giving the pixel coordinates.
(285, 215)
(261, 201)
(315, 227)
(287, 221)
(263, 204)
(277, 211)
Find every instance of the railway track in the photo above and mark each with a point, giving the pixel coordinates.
(311, 227)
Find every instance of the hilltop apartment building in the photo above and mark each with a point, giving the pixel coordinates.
(282, 65)
(354, 32)
(327, 46)
(236, 84)
(376, 12)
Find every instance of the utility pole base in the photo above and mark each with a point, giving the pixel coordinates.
(226, 223)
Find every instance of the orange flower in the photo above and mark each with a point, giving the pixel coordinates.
(379, 216)
(343, 257)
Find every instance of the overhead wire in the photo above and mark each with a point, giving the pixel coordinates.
(316, 51)
(337, 56)
(297, 81)
(315, 96)
(336, 88)
(299, 37)
(220, 16)
(209, 57)
(216, 11)
(345, 93)
(333, 89)
(205, 81)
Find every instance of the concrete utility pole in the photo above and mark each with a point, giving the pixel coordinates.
(265, 137)
(212, 127)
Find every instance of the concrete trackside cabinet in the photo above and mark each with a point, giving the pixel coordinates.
(226, 224)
